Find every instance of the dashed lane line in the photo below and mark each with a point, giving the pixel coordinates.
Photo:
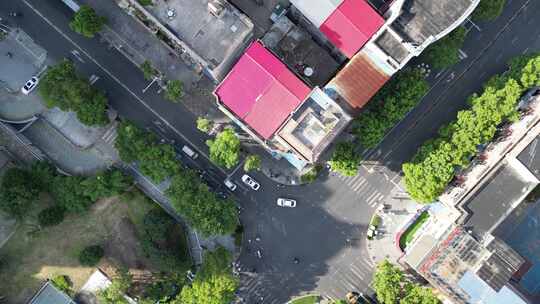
(119, 82)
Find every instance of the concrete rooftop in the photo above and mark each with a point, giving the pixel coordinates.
(217, 39)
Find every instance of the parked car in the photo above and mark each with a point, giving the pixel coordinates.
(286, 202)
(250, 182)
(230, 184)
(189, 152)
(30, 85)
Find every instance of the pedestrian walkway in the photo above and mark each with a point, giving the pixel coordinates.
(400, 210)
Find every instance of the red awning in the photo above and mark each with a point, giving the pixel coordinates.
(261, 91)
(351, 25)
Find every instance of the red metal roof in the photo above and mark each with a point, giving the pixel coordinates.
(261, 91)
(359, 80)
(351, 25)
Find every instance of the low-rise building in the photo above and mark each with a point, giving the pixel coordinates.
(208, 34)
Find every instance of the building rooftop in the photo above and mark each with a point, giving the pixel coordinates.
(261, 91)
(481, 293)
(422, 19)
(348, 24)
(299, 51)
(48, 294)
(359, 80)
(495, 199)
(216, 38)
(530, 157)
(392, 46)
(314, 125)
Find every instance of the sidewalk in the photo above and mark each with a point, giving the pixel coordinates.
(402, 210)
(138, 44)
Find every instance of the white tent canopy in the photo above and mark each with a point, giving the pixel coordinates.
(317, 11)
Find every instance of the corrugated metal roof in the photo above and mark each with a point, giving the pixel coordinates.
(351, 25)
(359, 80)
(316, 11)
(261, 91)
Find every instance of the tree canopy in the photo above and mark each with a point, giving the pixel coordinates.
(174, 90)
(214, 283)
(345, 160)
(155, 160)
(203, 124)
(225, 148)
(388, 107)
(488, 10)
(445, 52)
(18, 193)
(61, 87)
(253, 162)
(86, 22)
(205, 212)
(393, 287)
(437, 161)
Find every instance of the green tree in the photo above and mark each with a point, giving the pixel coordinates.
(419, 295)
(204, 125)
(114, 293)
(488, 10)
(204, 211)
(387, 282)
(91, 255)
(399, 96)
(61, 87)
(105, 184)
(51, 216)
(86, 22)
(225, 148)
(156, 161)
(174, 91)
(18, 193)
(253, 162)
(214, 283)
(148, 70)
(68, 193)
(345, 160)
(445, 52)
(63, 283)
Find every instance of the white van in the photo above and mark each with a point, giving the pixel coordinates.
(190, 152)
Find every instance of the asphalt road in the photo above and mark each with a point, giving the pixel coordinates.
(326, 230)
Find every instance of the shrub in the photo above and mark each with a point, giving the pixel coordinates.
(91, 255)
(345, 160)
(148, 70)
(62, 283)
(253, 162)
(174, 90)
(312, 174)
(145, 2)
(51, 216)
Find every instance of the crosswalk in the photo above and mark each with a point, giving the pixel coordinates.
(359, 184)
(254, 287)
(110, 135)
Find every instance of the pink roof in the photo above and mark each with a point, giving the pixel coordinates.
(261, 90)
(351, 25)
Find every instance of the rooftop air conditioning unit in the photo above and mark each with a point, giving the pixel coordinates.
(216, 8)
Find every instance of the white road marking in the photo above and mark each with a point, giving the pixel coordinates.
(121, 84)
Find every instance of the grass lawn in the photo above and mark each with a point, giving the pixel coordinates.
(306, 300)
(408, 235)
(34, 255)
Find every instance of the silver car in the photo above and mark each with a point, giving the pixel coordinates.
(286, 202)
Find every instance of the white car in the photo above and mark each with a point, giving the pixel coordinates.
(230, 185)
(250, 182)
(286, 202)
(30, 85)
